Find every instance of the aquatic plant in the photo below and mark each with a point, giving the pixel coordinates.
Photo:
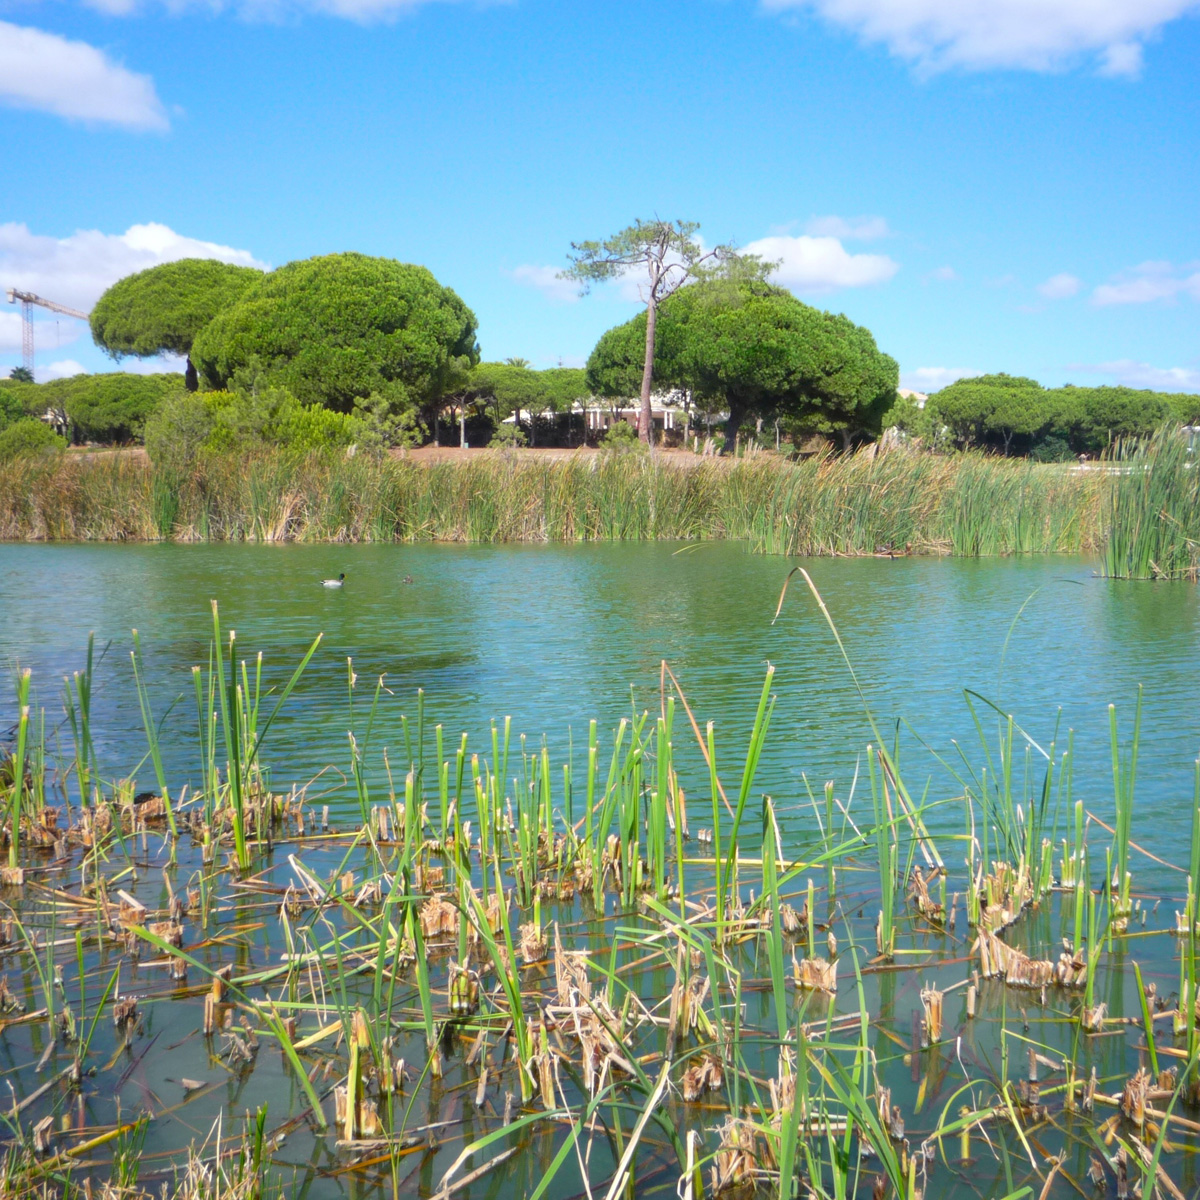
(468, 979)
(890, 503)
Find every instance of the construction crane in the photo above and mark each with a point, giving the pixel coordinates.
(27, 301)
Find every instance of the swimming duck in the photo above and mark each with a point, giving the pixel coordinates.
(335, 582)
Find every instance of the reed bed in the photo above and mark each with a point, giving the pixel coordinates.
(896, 502)
(476, 972)
(1152, 512)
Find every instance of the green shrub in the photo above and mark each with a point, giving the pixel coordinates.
(11, 408)
(383, 423)
(508, 436)
(111, 406)
(620, 435)
(28, 436)
(177, 430)
(195, 423)
(1051, 448)
(313, 427)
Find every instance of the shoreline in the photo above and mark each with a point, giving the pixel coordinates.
(895, 503)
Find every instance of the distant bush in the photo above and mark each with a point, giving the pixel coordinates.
(1018, 415)
(193, 423)
(28, 436)
(1051, 449)
(11, 408)
(620, 435)
(508, 437)
(176, 431)
(111, 406)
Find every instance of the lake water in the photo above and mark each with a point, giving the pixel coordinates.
(555, 635)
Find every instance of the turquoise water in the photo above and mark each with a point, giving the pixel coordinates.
(553, 637)
(556, 635)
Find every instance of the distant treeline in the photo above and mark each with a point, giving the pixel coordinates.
(110, 408)
(1015, 415)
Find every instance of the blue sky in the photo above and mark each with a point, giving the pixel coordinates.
(986, 184)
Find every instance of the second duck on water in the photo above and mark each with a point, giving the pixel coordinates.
(335, 582)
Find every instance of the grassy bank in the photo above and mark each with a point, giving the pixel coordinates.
(610, 977)
(969, 504)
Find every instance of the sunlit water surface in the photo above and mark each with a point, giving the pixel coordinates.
(554, 636)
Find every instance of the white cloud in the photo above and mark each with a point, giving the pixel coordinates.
(60, 370)
(1130, 373)
(1150, 281)
(162, 364)
(48, 73)
(546, 280)
(1038, 35)
(860, 229)
(75, 270)
(943, 275)
(1060, 287)
(930, 379)
(821, 264)
(10, 331)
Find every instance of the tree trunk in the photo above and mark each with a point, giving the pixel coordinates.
(647, 420)
(191, 380)
(737, 414)
(845, 441)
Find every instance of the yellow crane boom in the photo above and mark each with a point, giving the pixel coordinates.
(27, 300)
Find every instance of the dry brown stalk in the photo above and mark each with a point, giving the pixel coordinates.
(705, 1076)
(815, 974)
(737, 1155)
(931, 1003)
(918, 893)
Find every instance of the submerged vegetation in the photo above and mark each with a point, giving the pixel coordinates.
(470, 971)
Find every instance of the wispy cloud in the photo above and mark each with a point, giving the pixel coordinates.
(48, 73)
(547, 281)
(363, 11)
(930, 379)
(856, 229)
(1130, 373)
(1060, 287)
(1150, 281)
(940, 275)
(63, 369)
(1036, 35)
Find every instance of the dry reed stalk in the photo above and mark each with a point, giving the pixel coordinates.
(999, 960)
(737, 1157)
(931, 1004)
(918, 894)
(705, 1076)
(815, 975)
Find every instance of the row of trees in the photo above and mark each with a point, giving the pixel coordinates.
(1014, 414)
(386, 346)
(352, 334)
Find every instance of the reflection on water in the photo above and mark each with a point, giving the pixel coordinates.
(556, 635)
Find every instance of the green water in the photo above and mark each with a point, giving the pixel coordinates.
(556, 635)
